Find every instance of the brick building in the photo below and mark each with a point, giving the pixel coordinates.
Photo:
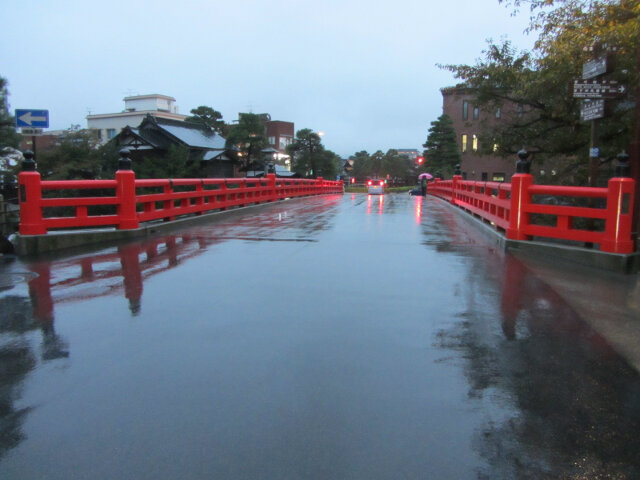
(468, 119)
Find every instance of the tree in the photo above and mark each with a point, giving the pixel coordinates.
(75, 156)
(209, 117)
(361, 165)
(8, 135)
(398, 168)
(547, 120)
(306, 153)
(176, 163)
(248, 136)
(329, 165)
(441, 149)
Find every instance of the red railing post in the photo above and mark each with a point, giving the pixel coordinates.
(620, 204)
(30, 195)
(454, 188)
(126, 193)
(272, 196)
(520, 198)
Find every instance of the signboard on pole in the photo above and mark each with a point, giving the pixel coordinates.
(598, 89)
(594, 68)
(591, 110)
(31, 131)
(32, 118)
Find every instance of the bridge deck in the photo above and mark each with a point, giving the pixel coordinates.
(329, 337)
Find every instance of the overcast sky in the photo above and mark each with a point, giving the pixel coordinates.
(363, 72)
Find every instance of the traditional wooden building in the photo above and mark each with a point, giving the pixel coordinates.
(157, 135)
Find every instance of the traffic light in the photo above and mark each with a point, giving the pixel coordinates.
(419, 160)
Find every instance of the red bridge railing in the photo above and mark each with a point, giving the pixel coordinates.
(134, 201)
(513, 208)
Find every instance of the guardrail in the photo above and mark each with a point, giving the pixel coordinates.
(135, 201)
(510, 207)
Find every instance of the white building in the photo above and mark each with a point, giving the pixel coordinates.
(135, 110)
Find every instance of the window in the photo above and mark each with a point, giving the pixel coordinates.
(464, 142)
(495, 147)
(476, 112)
(498, 112)
(484, 177)
(474, 143)
(271, 140)
(111, 132)
(465, 110)
(520, 110)
(285, 142)
(498, 177)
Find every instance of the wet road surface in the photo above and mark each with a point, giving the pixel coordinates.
(355, 337)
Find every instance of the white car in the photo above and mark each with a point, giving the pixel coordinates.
(375, 186)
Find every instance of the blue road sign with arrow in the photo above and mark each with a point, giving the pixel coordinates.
(32, 118)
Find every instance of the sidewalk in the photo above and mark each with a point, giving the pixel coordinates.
(608, 302)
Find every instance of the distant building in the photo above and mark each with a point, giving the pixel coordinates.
(42, 142)
(157, 134)
(467, 120)
(279, 136)
(136, 108)
(410, 153)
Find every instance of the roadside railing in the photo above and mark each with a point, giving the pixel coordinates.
(525, 211)
(125, 202)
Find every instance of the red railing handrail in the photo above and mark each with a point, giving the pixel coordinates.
(134, 206)
(510, 206)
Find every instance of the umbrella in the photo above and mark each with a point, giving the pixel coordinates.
(428, 176)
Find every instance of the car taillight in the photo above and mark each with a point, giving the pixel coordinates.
(369, 182)
(382, 183)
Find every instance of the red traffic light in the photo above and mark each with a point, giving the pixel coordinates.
(419, 160)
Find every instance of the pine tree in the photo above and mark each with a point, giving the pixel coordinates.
(441, 150)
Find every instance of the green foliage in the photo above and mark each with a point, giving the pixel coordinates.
(311, 159)
(176, 163)
(209, 117)
(397, 167)
(549, 122)
(306, 151)
(74, 157)
(360, 164)
(248, 136)
(442, 153)
(8, 135)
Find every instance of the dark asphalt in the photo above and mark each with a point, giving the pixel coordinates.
(355, 337)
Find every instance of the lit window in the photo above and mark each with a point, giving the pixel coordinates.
(474, 144)
(495, 147)
(464, 142)
(465, 110)
(476, 113)
(498, 177)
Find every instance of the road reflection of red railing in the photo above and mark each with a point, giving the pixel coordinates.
(523, 296)
(113, 272)
(124, 269)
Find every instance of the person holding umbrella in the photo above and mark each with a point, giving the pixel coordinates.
(423, 182)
